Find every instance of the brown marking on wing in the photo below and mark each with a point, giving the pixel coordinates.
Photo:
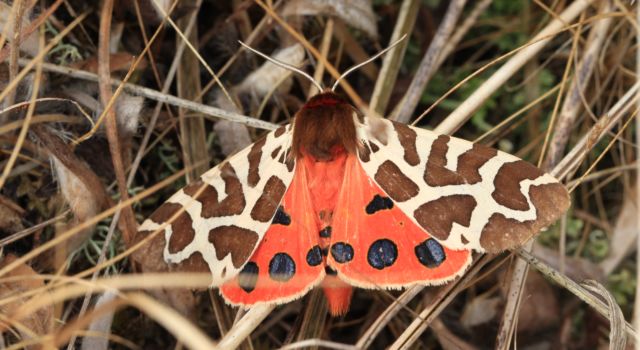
(364, 153)
(374, 147)
(234, 240)
(396, 184)
(501, 233)
(279, 131)
(469, 163)
(507, 184)
(275, 152)
(407, 137)
(286, 158)
(182, 231)
(254, 162)
(194, 263)
(266, 205)
(150, 257)
(232, 204)
(437, 216)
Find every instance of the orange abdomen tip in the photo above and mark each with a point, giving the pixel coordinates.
(338, 294)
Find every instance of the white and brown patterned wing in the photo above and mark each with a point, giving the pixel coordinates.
(228, 210)
(466, 195)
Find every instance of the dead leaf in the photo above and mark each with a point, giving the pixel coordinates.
(539, 307)
(232, 136)
(356, 13)
(10, 215)
(480, 310)
(263, 80)
(29, 45)
(77, 194)
(39, 322)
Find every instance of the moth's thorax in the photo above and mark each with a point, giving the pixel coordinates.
(323, 126)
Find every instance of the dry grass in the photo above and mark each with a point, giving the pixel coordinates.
(551, 81)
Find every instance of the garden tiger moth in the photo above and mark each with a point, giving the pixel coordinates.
(340, 199)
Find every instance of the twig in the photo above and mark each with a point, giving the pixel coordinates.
(161, 97)
(520, 269)
(386, 316)
(24, 233)
(318, 343)
(330, 68)
(14, 47)
(462, 29)
(571, 105)
(574, 288)
(193, 50)
(428, 65)
(589, 140)
(447, 293)
(392, 61)
(104, 72)
(192, 131)
(617, 334)
(35, 24)
(165, 88)
(243, 329)
(465, 110)
(27, 119)
(324, 51)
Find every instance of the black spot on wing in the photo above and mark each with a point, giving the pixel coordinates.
(282, 267)
(314, 256)
(430, 253)
(248, 277)
(329, 271)
(382, 253)
(325, 232)
(281, 217)
(342, 252)
(378, 203)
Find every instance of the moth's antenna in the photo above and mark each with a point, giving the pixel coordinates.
(333, 88)
(283, 65)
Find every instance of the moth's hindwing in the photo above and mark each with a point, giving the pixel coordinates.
(288, 261)
(374, 244)
(219, 220)
(465, 195)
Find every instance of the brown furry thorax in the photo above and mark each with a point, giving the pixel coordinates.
(324, 127)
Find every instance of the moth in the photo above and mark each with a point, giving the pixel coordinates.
(338, 199)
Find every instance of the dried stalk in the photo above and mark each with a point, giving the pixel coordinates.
(128, 219)
(572, 103)
(500, 77)
(245, 326)
(170, 75)
(574, 288)
(161, 97)
(521, 268)
(392, 61)
(192, 131)
(428, 66)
